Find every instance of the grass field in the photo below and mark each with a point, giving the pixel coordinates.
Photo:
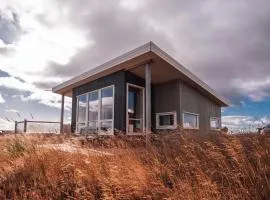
(173, 166)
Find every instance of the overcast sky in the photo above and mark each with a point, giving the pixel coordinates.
(45, 42)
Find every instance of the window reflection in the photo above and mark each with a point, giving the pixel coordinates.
(82, 108)
(106, 103)
(93, 109)
(100, 110)
(215, 123)
(190, 120)
(93, 106)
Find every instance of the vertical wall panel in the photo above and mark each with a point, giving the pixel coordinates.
(166, 98)
(194, 102)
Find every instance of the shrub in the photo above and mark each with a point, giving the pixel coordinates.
(15, 147)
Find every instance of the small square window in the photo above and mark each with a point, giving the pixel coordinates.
(190, 120)
(215, 123)
(166, 120)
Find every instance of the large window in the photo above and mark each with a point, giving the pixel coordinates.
(81, 110)
(166, 120)
(106, 109)
(190, 120)
(93, 104)
(100, 108)
(215, 123)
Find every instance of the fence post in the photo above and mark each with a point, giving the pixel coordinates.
(16, 124)
(25, 126)
(62, 114)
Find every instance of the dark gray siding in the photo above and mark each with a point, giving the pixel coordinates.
(118, 80)
(133, 79)
(166, 98)
(194, 102)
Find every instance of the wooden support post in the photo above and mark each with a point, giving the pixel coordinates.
(62, 114)
(148, 100)
(16, 125)
(25, 125)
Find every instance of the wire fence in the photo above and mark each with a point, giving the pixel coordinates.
(28, 126)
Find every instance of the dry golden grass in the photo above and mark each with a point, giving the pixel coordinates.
(173, 166)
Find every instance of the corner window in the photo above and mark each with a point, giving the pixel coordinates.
(166, 120)
(95, 110)
(215, 123)
(190, 120)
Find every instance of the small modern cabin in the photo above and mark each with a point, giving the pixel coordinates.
(140, 91)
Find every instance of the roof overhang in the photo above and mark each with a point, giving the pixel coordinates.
(133, 61)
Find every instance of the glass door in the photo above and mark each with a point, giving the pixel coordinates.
(135, 109)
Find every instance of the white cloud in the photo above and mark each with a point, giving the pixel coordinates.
(265, 120)
(131, 4)
(53, 39)
(256, 90)
(42, 39)
(12, 110)
(2, 100)
(13, 83)
(6, 125)
(48, 98)
(244, 123)
(40, 96)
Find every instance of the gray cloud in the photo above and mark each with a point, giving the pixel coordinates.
(10, 29)
(226, 43)
(113, 31)
(45, 85)
(4, 74)
(7, 50)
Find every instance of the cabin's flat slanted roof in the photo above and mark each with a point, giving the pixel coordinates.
(148, 47)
